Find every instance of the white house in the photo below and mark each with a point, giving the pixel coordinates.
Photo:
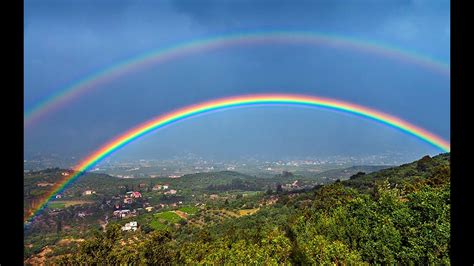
(122, 213)
(88, 192)
(131, 226)
(170, 192)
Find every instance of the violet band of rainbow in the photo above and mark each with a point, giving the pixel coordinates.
(239, 101)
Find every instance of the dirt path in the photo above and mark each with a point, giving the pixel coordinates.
(181, 214)
(40, 258)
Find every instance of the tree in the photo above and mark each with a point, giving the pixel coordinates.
(157, 250)
(279, 189)
(424, 163)
(287, 174)
(58, 226)
(269, 191)
(359, 174)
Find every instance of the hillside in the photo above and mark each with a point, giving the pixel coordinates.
(396, 215)
(418, 170)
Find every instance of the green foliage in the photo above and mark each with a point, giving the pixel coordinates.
(189, 209)
(157, 249)
(169, 216)
(57, 205)
(396, 216)
(156, 225)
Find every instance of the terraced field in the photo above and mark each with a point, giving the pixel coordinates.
(209, 217)
(60, 204)
(189, 209)
(169, 216)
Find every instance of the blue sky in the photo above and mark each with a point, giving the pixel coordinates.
(67, 40)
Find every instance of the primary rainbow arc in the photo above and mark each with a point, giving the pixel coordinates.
(231, 102)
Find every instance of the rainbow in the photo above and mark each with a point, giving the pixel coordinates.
(233, 102)
(78, 88)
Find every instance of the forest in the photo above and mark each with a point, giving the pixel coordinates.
(399, 215)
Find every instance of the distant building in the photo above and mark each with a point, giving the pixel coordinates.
(88, 192)
(156, 187)
(131, 226)
(122, 213)
(44, 184)
(166, 186)
(170, 192)
(149, 209)
(58, 196)
(295, 184)
(136, 194)
(214, 196)
(128, 200)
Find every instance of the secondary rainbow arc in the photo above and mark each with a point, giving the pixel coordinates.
(76, 89)
(224, 103)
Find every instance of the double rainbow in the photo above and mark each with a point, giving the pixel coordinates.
(234, 102)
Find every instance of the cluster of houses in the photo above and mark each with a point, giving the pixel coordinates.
(160, 187)
(130, 196)
(174, 204)
(83, 214)
(268, 201)
(125, 213)
(290, 186)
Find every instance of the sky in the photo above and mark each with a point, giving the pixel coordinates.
(68, 40)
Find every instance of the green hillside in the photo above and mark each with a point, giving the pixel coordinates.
(399, 215)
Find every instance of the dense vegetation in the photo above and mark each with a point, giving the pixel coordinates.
(396, 215)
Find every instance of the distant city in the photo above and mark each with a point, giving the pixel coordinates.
(190, 163)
